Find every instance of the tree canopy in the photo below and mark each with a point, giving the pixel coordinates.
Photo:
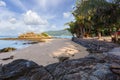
(93, 17)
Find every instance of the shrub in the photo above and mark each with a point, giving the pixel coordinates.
(45, 34)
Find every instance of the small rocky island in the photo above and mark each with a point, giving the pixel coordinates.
(30, 36)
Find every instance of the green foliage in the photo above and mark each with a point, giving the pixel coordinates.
(58, 33)
(95, 16)
(44, 34)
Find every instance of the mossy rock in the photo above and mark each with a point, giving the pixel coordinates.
(8, 49)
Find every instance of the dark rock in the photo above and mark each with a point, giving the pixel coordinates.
(51, 67)
(115, 68)
(32, 42)
(88, 68)
(62, 58)
(95, 46)
(116, 71)
(16, 69)
(42, 74)
(11, 57)
(8, 49)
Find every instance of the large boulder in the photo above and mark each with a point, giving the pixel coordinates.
(23, 70)
(89, 68)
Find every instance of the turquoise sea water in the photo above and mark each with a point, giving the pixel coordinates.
(68, 37)
(12, 43)
(19, 44)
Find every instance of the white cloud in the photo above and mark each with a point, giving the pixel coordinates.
(13, 24)
(32, 18)
(66, 14)
(17, 22)
(2, 4)
(12, 20)
(19, 27)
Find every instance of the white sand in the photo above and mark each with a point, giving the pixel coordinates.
(46, 53)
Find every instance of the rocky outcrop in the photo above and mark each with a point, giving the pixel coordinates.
(95, 46)
(24, 70)
(92, 67)
(33, 35)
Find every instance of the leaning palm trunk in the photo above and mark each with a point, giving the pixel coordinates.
(99, 35)
(116, 37)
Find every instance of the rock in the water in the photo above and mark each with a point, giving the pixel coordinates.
(32, 42)
(8, 49)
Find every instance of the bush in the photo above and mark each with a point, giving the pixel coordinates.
(45, 34)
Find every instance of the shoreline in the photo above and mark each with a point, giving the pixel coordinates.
(48, 52)
(27, 39)
(85, 66)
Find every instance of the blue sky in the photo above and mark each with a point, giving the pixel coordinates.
(20, 16)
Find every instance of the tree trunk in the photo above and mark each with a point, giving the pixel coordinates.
(99, 35)
(116, 37)
(73, 35)
(81, 32)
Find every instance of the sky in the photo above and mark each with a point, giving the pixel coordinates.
(21, 16)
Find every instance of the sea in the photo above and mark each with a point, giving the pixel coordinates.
(64, 37)
(18, 44)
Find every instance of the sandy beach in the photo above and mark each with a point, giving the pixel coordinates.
(47, 52)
